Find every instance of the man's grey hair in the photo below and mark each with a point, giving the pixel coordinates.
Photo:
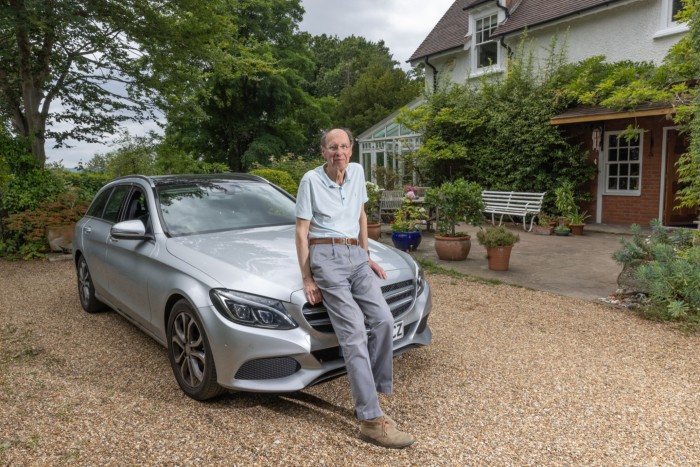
(324, 135)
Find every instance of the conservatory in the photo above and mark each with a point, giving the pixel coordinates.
(382, 147)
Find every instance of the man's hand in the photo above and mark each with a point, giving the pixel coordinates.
(312, 292)
(378, 270)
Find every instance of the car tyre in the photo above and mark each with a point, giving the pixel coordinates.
(190, 355)
(86, 289)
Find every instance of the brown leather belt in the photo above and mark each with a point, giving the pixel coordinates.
(333, 241)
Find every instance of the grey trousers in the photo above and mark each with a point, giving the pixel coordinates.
(351, 294)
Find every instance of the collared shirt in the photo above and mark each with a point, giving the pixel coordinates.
(334, 210)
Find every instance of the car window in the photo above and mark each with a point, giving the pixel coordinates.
(111, 211)
(211, 207)
(137, 208)
(98, 204)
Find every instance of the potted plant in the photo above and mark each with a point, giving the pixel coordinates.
(498, 242)
(455, 202)
(577, 220)
(545, 224)
(374, 228)
(405, 233)
(564, 200)
(562, 229)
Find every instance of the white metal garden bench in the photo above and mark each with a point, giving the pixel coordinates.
(513, 203)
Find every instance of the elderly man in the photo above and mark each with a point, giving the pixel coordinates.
(331, 242)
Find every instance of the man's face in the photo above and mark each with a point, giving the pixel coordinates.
(337, 150)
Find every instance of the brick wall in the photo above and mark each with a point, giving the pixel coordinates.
(627, 209)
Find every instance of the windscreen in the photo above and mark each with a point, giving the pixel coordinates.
(222, 205)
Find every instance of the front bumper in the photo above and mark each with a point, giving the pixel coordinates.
(261, 360)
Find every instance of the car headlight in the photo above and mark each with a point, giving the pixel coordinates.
(420, 280)
(251, 310)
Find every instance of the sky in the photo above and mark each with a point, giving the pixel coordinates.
(401, 24)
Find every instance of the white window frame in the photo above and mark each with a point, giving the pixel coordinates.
(476, 15)
(667, 25)
(639, 143)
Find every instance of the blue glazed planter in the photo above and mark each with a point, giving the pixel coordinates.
(406, 241)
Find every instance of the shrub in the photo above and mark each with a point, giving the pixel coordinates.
(667, 263)
(279, 178)
(491, 237)
(26, 231)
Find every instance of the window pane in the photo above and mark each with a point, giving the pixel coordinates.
(612, 156)
(392, 129)
(623, 154)
(634, 169)
(676, 7)
(613, 169)
(634, 183)
(612, 183)
(623, 184)
(487, 54)
(624, 169)
(634, 154)
(115, 202)
(612, 141)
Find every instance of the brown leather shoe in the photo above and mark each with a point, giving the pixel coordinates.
(382, 433)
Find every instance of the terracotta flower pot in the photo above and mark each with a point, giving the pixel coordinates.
(499, 257)
(576, 229)
(374, 230)
(453, 248)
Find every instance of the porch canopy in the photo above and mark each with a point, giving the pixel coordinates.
(584, 114)
(384, 144)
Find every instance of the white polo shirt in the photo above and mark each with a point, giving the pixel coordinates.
(334, 210)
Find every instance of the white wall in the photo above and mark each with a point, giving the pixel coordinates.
(620, 32)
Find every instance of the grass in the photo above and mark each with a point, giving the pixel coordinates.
(432, 268)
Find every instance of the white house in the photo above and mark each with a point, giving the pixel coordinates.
(475, 37)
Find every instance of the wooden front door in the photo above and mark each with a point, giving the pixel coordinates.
(676, 145)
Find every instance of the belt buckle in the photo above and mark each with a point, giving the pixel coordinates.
(345, 241)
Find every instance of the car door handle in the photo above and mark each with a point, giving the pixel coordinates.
(87, 230)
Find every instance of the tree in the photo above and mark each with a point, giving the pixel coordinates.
(360, 79)
(243, 118)
(103, 61)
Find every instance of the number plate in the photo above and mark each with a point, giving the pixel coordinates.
(398, 330)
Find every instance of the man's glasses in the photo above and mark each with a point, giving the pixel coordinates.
(343, 147)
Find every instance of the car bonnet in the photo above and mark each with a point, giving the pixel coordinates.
(261, 261)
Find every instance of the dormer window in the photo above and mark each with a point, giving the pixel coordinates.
(486, 54)
(485, 47)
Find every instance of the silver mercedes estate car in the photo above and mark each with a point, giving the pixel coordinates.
(207, 266)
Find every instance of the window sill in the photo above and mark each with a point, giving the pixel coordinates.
(486, 71)
(671, 31)
(622, 193)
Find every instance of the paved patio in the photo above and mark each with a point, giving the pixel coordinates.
(575, 266)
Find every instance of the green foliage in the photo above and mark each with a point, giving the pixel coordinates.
(498, 134)
(296, 166)
(372, 204)
(667, 262)
(458, 201)
(564, 199)
(77, 51)
(279, 178)
(26, 231)
(408, 217)
(494, 236)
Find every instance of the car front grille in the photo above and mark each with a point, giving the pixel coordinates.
(399, 296)
(268, 368)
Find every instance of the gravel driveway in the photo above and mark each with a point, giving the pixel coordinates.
(513, 377)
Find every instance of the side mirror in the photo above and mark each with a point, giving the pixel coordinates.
(129, 230)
